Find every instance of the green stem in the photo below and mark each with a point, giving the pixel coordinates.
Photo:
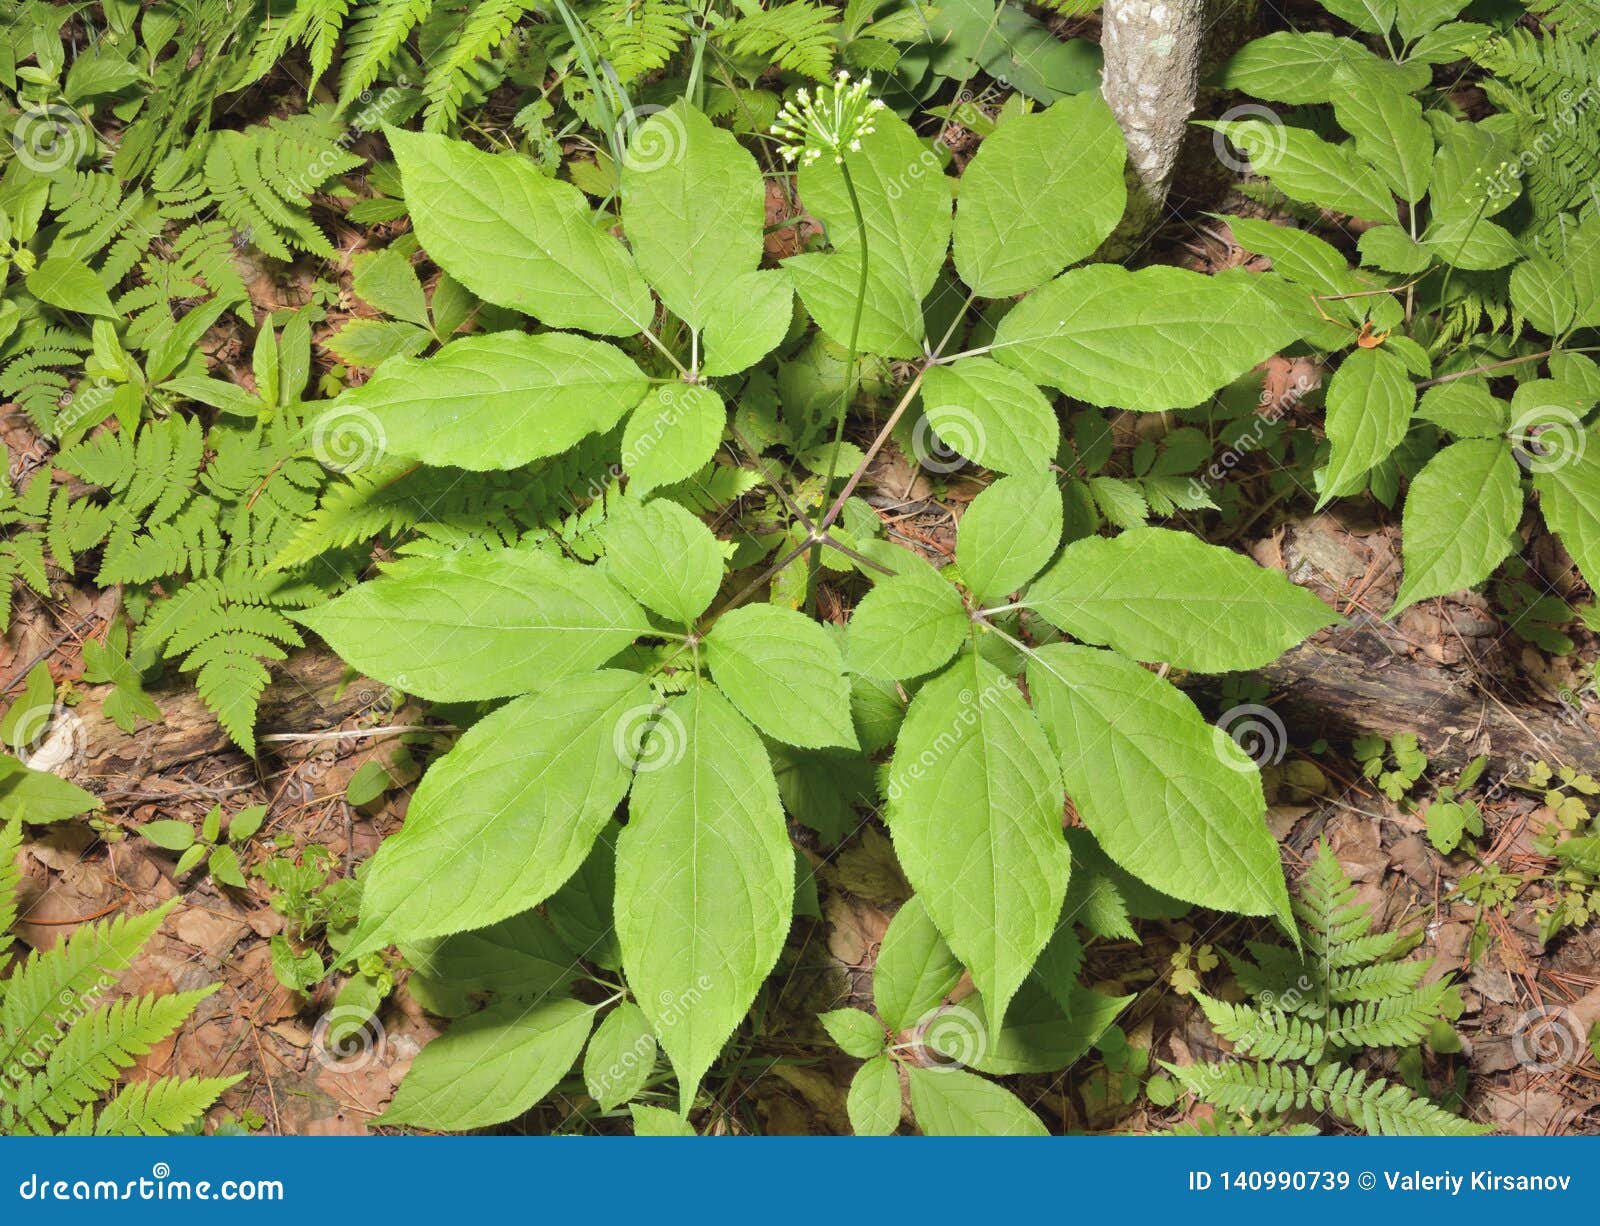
(847, 391)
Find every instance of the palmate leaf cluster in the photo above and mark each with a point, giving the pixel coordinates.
(618, 677)
(1502, 242)
(1311, 1010)
(64, 1046)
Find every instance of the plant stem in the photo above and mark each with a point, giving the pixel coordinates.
(850, 360)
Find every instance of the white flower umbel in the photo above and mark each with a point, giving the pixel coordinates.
(828, 125)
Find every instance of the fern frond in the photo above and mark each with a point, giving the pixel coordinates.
(160, 1108)
(449, 79)
(1379, 981)
(84, 965)
(379, 29)
(1382, 1108)
(800, 37)
(1398, 1021)
(639, 36)
(10, 883)
(1268, 1034)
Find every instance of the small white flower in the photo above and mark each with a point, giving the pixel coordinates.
(830, 124)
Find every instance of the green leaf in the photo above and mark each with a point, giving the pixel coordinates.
(694, 205)
(169, 835)
(244, 824)
(519, 957)
(1387, 124)
(1460, 519)
(974, 805)
(224, 868)
(69, 285)
(784, 673)
(1465, 408)
(38, 797)
(1041, 1034)
(386, 280)
(367, 784)
(502, 820)
(662, 555)
(621, 1057)
(671, 435)
(491, 1066)
(1370, 401)
(490, 402)
(1293, 67)
(1541, 290)
(1307, 168)
(1168, 797)
(873, 1102)
(1043, 192)
(915, 969)
(517, 238)
(747, 321)
(993, 415)
(1008, 534)
(907, 626)
(1160, 338)
(951, 1102)
(658, 1122)
(482, 625)
(1568, 481)
(905, 202)
(1372, 16)
(1160, 595)
(856, 1032)
(1471, 242)
(705, 879)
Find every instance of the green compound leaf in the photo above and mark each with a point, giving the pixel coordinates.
(517, 238)
(993, 415)
(695, 206)
(905, 201)
(1169, 797)
(671, 436)
(951, 1102)
(1370, 402)
(705, 879)
(1043, 192)
(503, 819)
(492, 402)
(1160, 595)
(784, 673)
(907, 626)
(1307, 168)
(664, 556)
(1008, 534)
(974, 805)
(484, 625)
(491, 1066)
(1460, 519)
(1156, 339)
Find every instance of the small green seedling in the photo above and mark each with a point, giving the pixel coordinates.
(209, 849)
